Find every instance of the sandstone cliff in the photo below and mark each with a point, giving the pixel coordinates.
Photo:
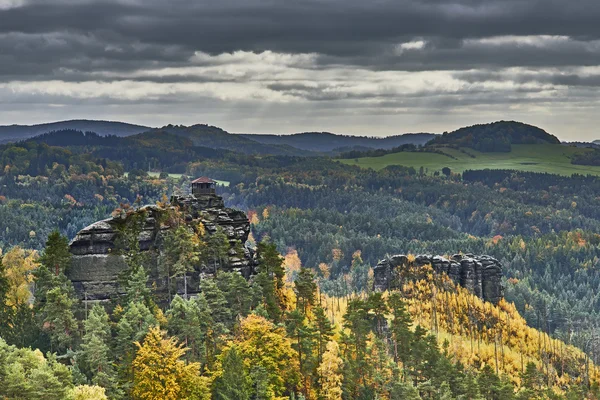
(96, 267)
(482, 275)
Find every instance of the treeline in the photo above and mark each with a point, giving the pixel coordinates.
(591, 157)
(273, 337)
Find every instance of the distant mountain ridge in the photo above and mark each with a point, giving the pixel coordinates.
(217, 138)
(327, 142)
(14, 133)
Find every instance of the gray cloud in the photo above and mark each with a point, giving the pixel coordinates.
(301, 59)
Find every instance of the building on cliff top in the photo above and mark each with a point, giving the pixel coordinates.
(97, 263)
(203, 186)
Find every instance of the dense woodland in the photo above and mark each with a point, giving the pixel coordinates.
(308, 325)
(496, 137)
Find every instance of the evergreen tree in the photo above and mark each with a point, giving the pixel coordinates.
(59, 320)
(189, 321)
(217, 249)
(323, 330)
(305, 288)
(237, 292)
(132, 327)
(56, 257)
(400, 329)
(96, 354)
(182, 252)
(270, 279)
(303, 341)
(404, 391)
(233, 382)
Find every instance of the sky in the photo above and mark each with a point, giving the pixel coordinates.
(359, 67)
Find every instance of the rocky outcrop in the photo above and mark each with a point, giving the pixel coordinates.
(97, 264)
(482, 275)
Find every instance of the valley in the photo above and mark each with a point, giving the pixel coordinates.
(476, 261)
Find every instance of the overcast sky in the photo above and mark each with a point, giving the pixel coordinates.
(366, 67)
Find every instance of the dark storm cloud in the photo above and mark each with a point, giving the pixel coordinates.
(300, 62)
(125, 35)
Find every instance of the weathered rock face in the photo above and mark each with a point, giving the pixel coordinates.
(96, 267)
(482, 275)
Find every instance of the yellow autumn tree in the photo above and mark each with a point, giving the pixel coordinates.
(330, 372)
(160, 373)
(87, 392)
(292, 265)
(264, 346)
(19, 265)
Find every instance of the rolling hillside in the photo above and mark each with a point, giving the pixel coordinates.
(217, 138)
(327, 142)
(496, 136)
(13, 133)
(549, 158)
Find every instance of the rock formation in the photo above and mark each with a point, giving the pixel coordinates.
(481, 275)
(96, 264)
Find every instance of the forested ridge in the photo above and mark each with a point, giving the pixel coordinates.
(320, 329)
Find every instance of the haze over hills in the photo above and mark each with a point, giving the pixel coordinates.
(494, 137)
(326, 141)
(12, 133)
(203, 135)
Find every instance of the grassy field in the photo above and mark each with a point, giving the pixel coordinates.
(549, 158)
(177, 176)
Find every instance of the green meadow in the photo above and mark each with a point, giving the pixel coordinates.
(155, 174)
(551, 158)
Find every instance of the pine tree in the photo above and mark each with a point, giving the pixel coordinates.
(56, 257)
(132, 327)
(305, 288)
(232, 382)
(136, 288)
(400, 329)
(323, 329)
(404, 391)
(59, 320)
(96, 354)
(304, 342)
(237, 292)
(189, 321)
(183, 250)
(218, 248)
(270, 279)
(379, 309)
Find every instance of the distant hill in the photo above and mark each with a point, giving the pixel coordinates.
(13, 133)
(495, 137)
(328, 142)
(217, 138)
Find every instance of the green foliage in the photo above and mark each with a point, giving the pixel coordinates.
(233, 383)
(59, 319)
(26, 374)
(190, 321)
(95, 353)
